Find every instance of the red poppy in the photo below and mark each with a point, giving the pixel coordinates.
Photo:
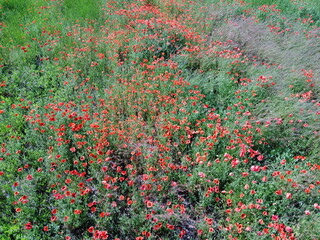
(77, 211)
(28, 226)
(149, 204)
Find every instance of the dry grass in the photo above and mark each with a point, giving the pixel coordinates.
(283, 56)
(293, 52)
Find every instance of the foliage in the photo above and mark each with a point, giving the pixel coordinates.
(159, 119)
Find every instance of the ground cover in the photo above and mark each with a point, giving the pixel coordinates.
(159, 119)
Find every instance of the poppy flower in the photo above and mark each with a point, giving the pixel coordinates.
(28, 226)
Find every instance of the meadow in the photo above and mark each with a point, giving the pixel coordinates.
(159, 119)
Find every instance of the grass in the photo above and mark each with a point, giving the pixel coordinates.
(159, 119)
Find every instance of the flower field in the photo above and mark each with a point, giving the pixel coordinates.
(159, 119)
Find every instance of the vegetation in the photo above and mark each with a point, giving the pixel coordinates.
(149, 119)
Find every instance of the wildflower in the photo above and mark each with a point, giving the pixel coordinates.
(149, 204)
(255, 168)
(288, 229)
(29, 177)
(91, 229)
(28, 226)
(278, 192)
(77, 211)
